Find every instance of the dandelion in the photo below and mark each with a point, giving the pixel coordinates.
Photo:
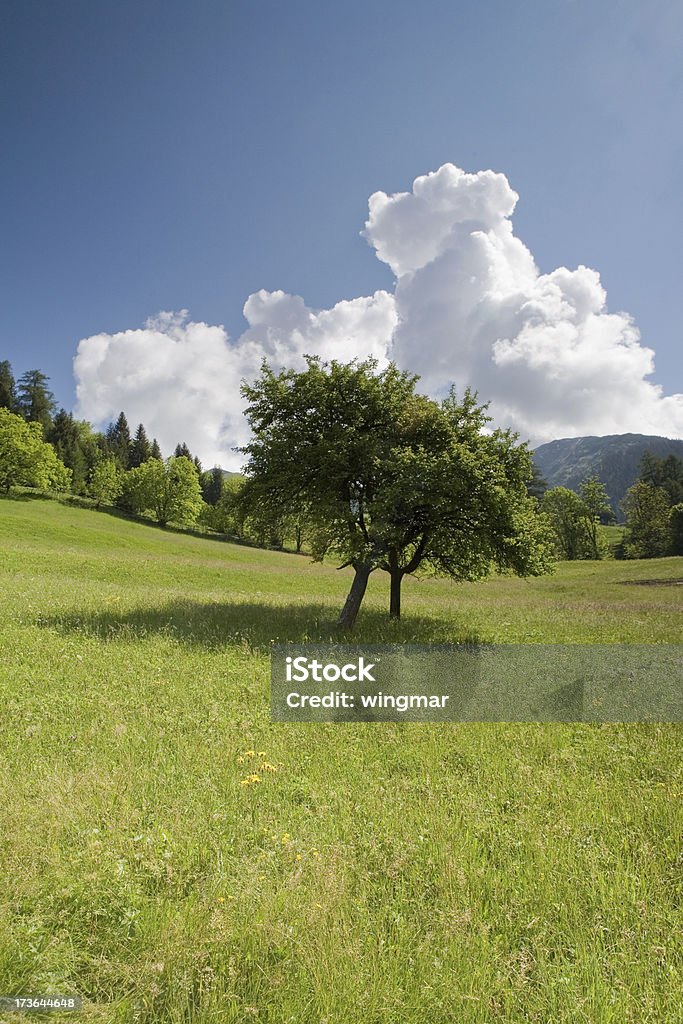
(261, 753)
(250, 780)
(240, 760)
(286, 838)
(250, 753)
(266, 767)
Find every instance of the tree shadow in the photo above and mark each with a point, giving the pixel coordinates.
(214, 625)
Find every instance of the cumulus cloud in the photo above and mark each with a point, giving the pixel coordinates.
(182, 379)
(474, 309)
(469, 307)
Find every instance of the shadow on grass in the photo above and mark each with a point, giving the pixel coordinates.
(252, 625)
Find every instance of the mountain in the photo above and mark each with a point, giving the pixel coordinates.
(614, 459)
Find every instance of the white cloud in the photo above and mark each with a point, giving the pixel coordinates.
(469, 307)
(473, 309)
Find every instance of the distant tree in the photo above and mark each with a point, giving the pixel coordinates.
(35, 401)
(575, 519)
(169, 490)
(140, 448)
(212, 485)
(676, 530)
(567, 516)
(182, 451)
(393, 480)
(537, 485)
(155, 452)
(665, 473)
(26, 460)
(8, 388)
(597, 508)
(118, 441)
(106, 481)
(69, 440)
(647, 521)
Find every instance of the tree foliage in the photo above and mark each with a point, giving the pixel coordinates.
(390, 479)
(26, 460)
(106, 481)
(169, 490)
(8, 388)
(35, 401)
(647, 521)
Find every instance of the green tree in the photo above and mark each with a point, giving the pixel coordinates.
(212, 485)
(537, 484)
(67, 436)
(8, 388)
(676, 530)
(35, 401)
(140, 448)
(118, 441)
(664, 473)
(597, 509)
(155, 452)
(393, 480)
(106, 481)
(647, 521)
(26, 460)
(169, 490)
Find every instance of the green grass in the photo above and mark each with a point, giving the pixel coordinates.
(384, 874)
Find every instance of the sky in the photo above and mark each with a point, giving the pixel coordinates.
(488, 194)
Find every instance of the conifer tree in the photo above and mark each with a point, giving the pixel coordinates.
(118, 440)
(140, 448)
(155, 452)
(36, 403)
(8, 388)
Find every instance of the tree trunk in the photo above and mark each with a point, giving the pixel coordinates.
(347, 616)
(395, 598)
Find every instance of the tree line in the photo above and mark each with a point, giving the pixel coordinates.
(652, 506)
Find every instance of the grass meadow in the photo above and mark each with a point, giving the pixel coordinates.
(378, 873)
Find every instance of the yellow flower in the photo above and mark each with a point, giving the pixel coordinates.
(261, 753)
(266, 767)
(298, 856)
(250, 780)
(250, 753)
(261, 877)
(286, 837)
(315, 853)
(240, 760)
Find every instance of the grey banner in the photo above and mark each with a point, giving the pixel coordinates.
(477, 683)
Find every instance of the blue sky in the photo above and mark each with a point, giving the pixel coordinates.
(166, 155)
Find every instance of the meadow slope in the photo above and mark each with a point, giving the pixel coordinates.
(380, 873)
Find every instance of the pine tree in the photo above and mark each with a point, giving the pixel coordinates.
(65, 436)
(36, 402)
(8, 389)
(212, 485)
(181, 450)
(140, 448)
(155, 452)
(118, 440)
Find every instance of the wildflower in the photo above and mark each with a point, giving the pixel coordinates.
(298, 856)
(286, 838)
(250, 753)
(240, 760)
(315, 853)
(266, 767)
(250, 780)
(261, 753)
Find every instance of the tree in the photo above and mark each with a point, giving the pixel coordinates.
(647, 521)
(118, 441)
(8, 389)
(666, 473)
(597, 508)
(106, 482)
(140, 448)
(212, 485)
(392, 480)
(155, 452)
(676, 530)
(537, 484)
(35, 402)
(26, 460)
(169, 490)
(67, 437)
